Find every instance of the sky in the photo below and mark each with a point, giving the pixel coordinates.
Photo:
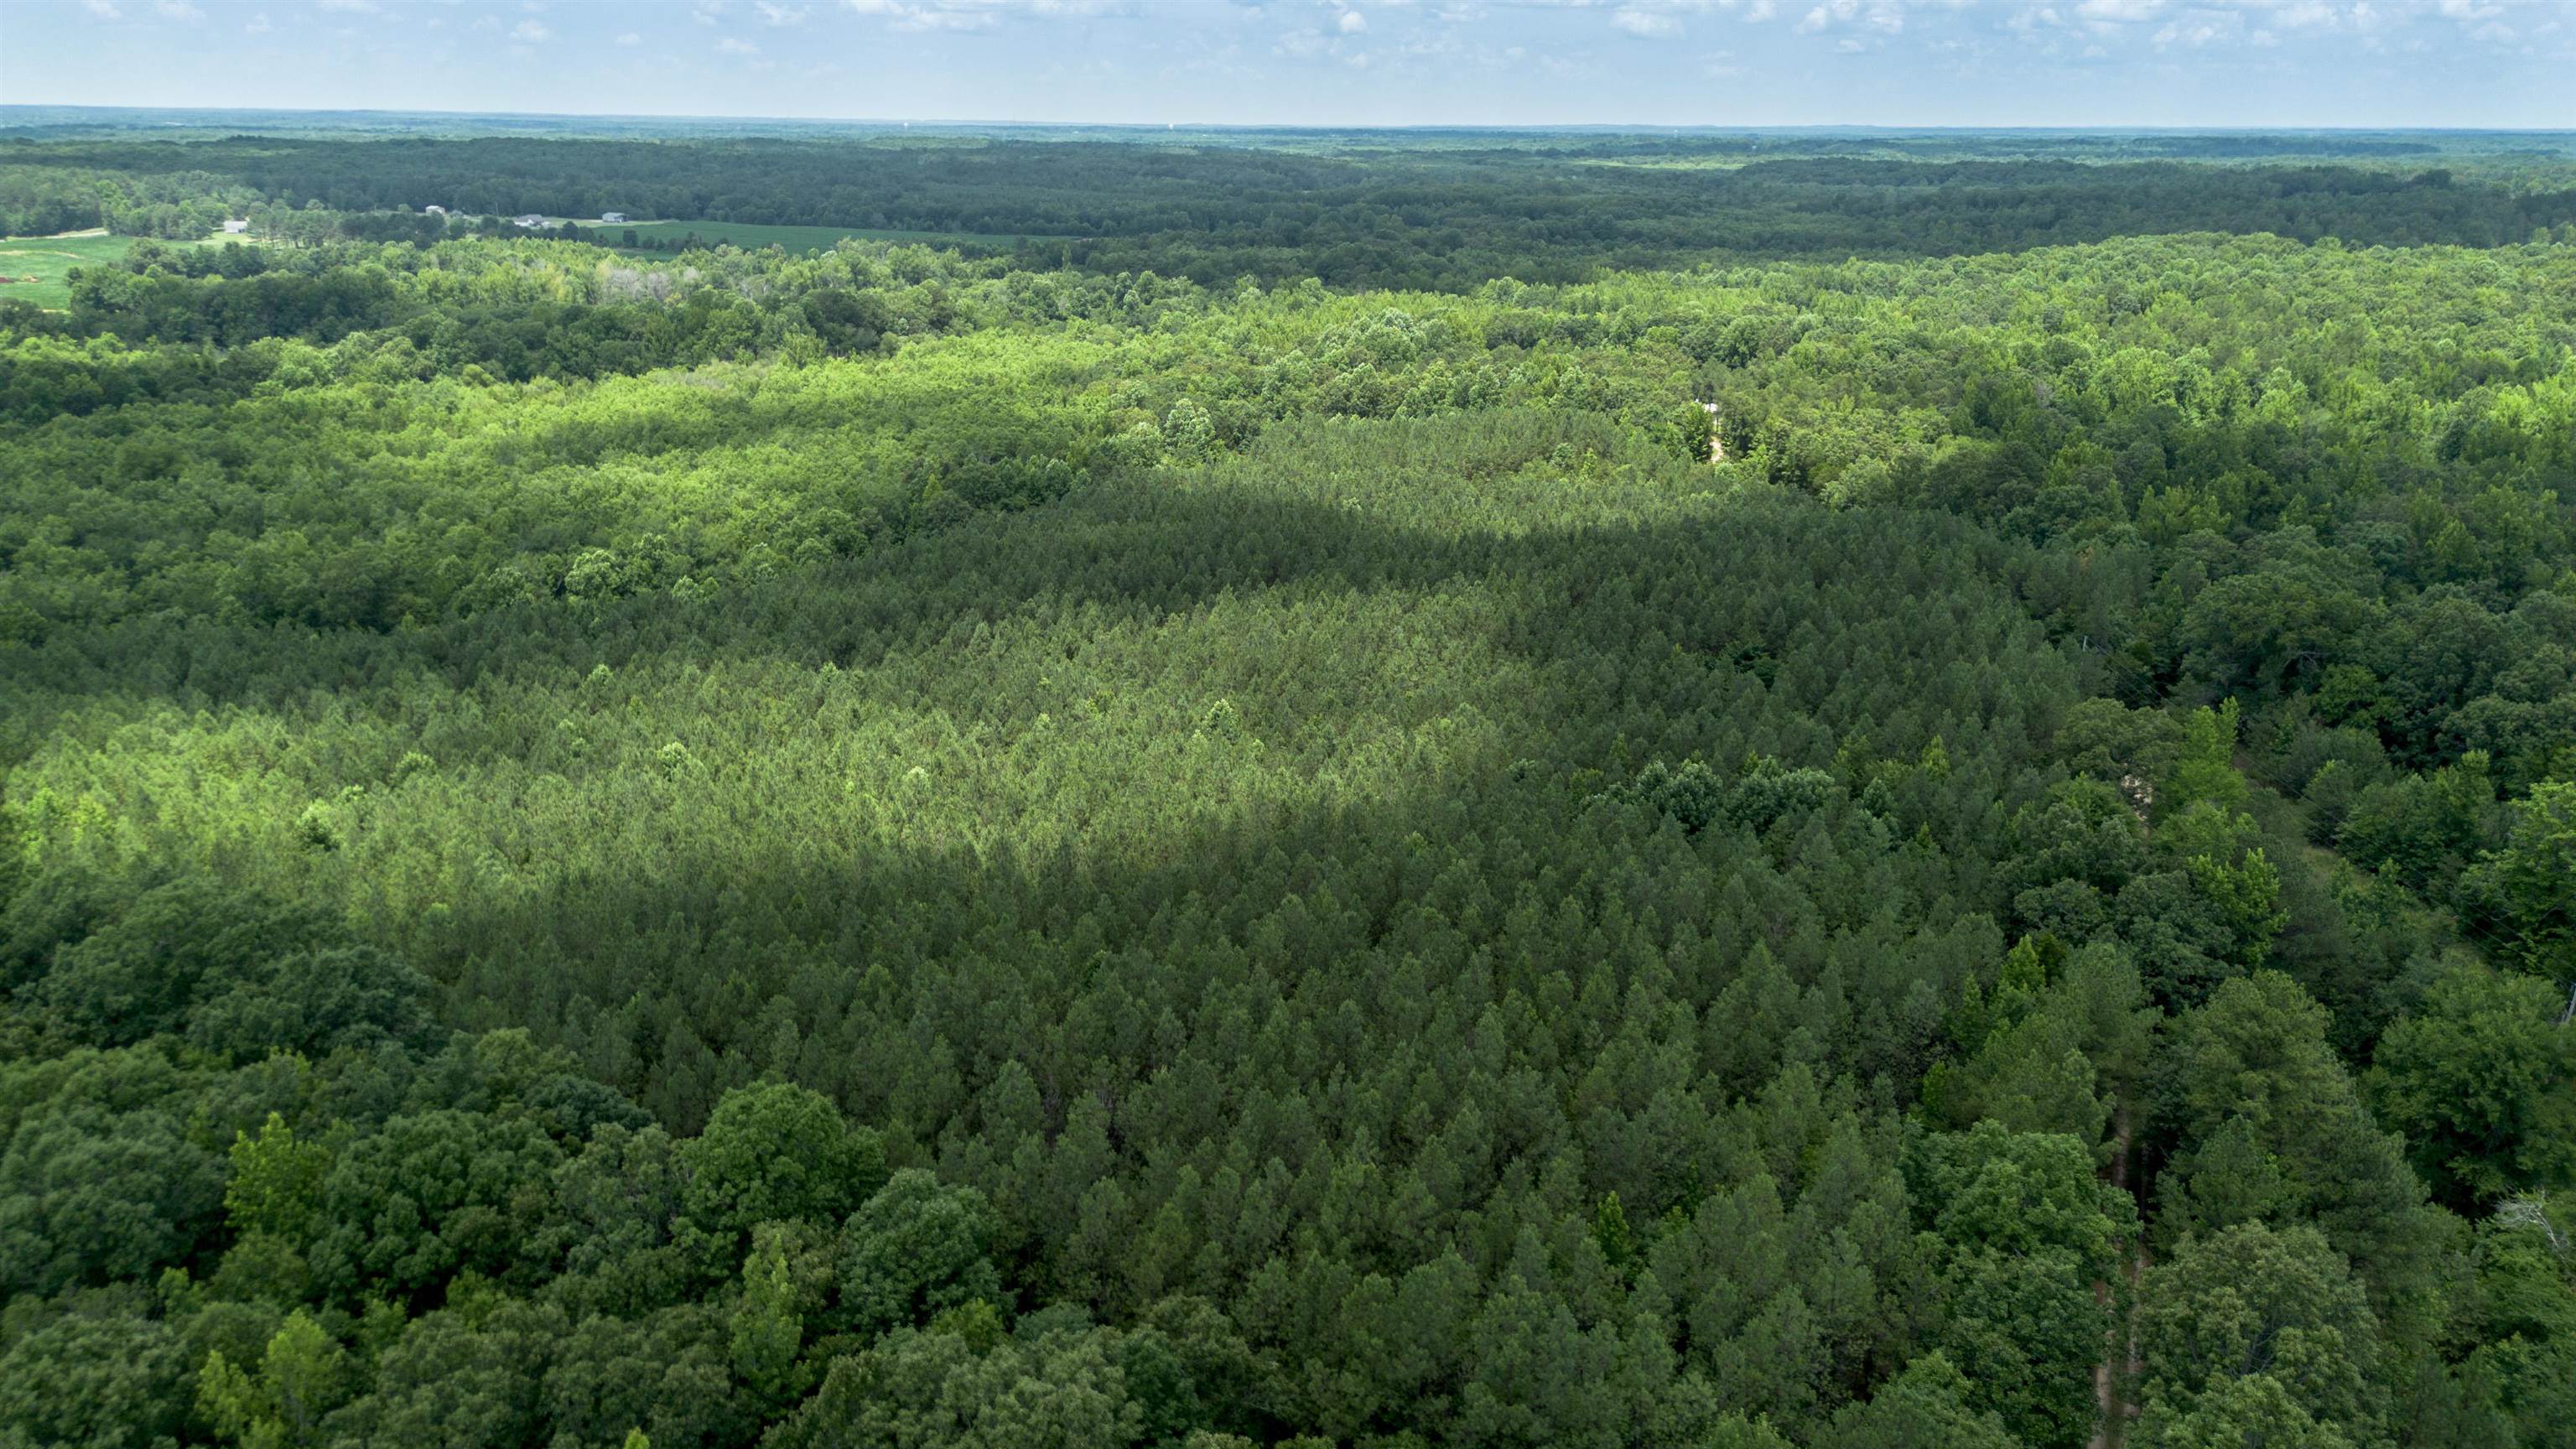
(2224, 63)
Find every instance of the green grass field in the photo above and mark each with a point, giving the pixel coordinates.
(49, 260)
(794, 238)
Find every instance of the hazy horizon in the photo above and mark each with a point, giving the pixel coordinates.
(13, 114)
(1871, 64)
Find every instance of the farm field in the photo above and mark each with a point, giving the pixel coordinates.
(38, 268)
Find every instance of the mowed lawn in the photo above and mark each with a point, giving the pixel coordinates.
(48, 260)
(750, 236)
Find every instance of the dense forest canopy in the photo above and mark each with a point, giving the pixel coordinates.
(1408, 789)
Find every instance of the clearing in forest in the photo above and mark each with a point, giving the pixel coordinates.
(37, 268)
(752, 237)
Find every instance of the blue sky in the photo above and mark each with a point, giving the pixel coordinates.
(1373, 62)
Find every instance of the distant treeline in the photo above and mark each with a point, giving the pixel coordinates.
(1435, 218)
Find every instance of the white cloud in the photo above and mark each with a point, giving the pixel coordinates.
(2260, 24)
(1955, 26)
(347, 7)
(1826, 14)
(925, 15)
(781, 15)
(178, 10)
(900, 15)
(1647, 23)
(630, 38)
(2195, 29)
(1669, 17)
(531, 32)
(1352, 22)
(103, 9)
(258, 24)
(733, 46)
(1884, 16)
(1302, 43)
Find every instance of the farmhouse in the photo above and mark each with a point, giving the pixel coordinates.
(433, 210)
(612, 216)
(235, 226)
(531, 220)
